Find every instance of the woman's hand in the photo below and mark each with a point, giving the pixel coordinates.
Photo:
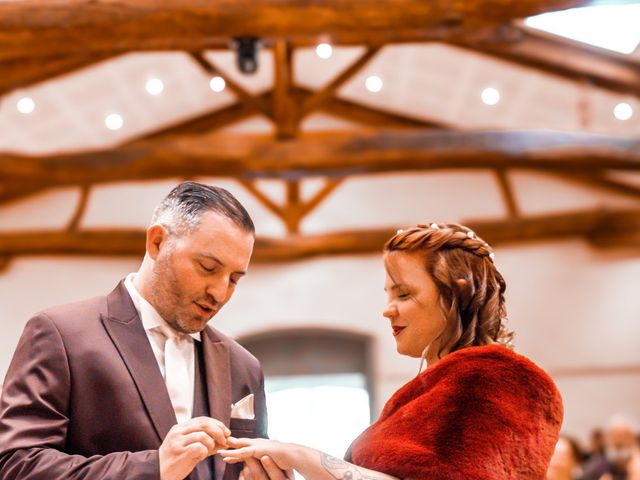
(282, 454)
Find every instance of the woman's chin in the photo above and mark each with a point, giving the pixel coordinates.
(403, 350)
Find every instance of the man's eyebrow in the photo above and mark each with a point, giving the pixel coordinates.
(219, 262)
(213, 257)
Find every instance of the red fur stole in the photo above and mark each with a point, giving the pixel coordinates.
(480, 413)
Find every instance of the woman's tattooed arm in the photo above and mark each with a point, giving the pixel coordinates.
(341, 470)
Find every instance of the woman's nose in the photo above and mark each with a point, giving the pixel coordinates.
(389, 311)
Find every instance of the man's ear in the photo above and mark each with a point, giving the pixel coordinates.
(156, 239)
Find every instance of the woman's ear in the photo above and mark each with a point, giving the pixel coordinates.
(156, 237)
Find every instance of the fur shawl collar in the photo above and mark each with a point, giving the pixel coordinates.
(481, 413)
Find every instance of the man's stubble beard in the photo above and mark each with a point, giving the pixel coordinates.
(166, 294)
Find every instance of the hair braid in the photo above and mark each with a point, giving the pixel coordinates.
(471, 288)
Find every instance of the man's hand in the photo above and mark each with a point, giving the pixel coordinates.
(188, 443)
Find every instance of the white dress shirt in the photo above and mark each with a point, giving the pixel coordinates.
(153, 325)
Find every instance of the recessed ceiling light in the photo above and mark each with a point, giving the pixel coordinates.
(154, 86)
(217, 84)
(623, 111)
(373, 83)
(490, 96)
(324, 50)
(26, 105)
(113, 121)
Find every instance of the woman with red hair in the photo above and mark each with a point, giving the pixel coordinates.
(478, 412)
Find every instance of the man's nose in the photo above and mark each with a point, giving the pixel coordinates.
(218, 289)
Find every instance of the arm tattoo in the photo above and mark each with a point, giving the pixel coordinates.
(341, 470)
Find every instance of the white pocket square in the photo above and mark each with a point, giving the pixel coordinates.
(243, 408)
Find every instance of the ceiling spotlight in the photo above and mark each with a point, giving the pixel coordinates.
(490, 96)
(26, 105)
(373, 83)
(623, 111)
(246, 49)
(324, 50)
(154, 86)
(217, 84)
(114, 121)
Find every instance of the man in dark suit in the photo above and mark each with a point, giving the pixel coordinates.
(135, 385)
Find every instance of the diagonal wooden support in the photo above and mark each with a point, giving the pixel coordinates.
(5, 260)
(256, 102)
(322, 96)
(326, 190)
(80, 209)
(269, 204)
(602, 182)
(507, 193)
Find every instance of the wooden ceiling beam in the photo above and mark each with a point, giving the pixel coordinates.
(25, 72)
(285, 111)
(564, 58)
(336, 154)
(31, 28)
(603, 228)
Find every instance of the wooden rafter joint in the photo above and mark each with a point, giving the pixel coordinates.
(294, 210)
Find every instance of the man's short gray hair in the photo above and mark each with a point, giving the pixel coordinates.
(182, 209)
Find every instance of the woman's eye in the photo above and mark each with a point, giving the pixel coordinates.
(207, 269)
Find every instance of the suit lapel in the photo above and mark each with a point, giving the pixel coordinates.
(218, 374)
(127, 333)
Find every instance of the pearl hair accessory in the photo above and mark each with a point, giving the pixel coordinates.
(399, 231)
(435, 226)
(471, 234)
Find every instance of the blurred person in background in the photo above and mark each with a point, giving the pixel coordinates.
(136, 384)
(566, 462)
(479, 410)
(621, 458)
(596, 443)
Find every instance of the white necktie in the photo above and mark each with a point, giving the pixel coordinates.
(177, 373)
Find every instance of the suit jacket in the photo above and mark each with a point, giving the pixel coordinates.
(84, 398)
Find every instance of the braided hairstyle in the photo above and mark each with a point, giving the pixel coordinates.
(471, 288)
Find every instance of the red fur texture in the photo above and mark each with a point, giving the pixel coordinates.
(480, 413)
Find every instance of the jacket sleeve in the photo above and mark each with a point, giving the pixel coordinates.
(34, 417)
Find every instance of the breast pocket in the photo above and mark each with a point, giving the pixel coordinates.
(243, 427)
